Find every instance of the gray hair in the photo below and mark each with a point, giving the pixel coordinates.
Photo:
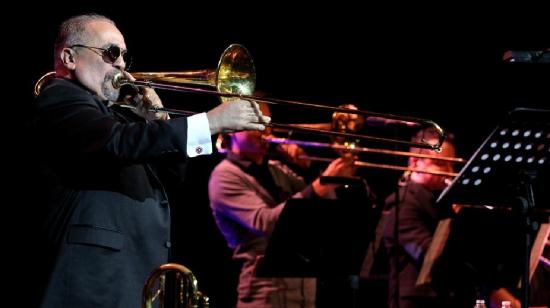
(73, 31)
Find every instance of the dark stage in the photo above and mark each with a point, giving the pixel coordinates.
(445, 67)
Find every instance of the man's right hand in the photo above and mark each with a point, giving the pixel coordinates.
(342, 167)
(236, 115)
(293, 154)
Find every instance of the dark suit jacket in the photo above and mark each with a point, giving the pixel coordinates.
(107, 214)
(417, 224)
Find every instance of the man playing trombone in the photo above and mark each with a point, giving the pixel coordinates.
(417, 220)
(247, 194)
(108, 220)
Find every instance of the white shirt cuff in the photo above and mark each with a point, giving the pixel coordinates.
(199, 141)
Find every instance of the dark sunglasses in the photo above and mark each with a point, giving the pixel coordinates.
(110, 54)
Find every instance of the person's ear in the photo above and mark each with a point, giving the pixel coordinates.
(68, 58)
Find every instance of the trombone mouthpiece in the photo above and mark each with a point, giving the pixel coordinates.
(118, 80)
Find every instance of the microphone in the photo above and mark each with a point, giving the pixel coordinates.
(527, 56)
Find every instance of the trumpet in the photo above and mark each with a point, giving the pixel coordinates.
(235, 77)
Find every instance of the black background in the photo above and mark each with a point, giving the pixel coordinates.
(441, 63)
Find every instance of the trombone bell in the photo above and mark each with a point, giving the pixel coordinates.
(235, 75)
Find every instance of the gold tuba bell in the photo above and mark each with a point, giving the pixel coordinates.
(187, 292)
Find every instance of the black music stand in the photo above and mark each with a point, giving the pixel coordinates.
(321, 238)
(509, 171)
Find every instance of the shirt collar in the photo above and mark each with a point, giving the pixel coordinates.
(244, 163)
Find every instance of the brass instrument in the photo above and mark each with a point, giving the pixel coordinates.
(352, 148)
(235, 77)
(353, 123)
(41, 82)
(345, 123)
(187, 289)
(221, 147)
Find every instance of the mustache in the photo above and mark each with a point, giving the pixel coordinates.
(109, 91)
(111, 75)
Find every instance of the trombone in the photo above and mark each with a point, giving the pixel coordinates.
(235, 77)
(222, 148)
(350, 147)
